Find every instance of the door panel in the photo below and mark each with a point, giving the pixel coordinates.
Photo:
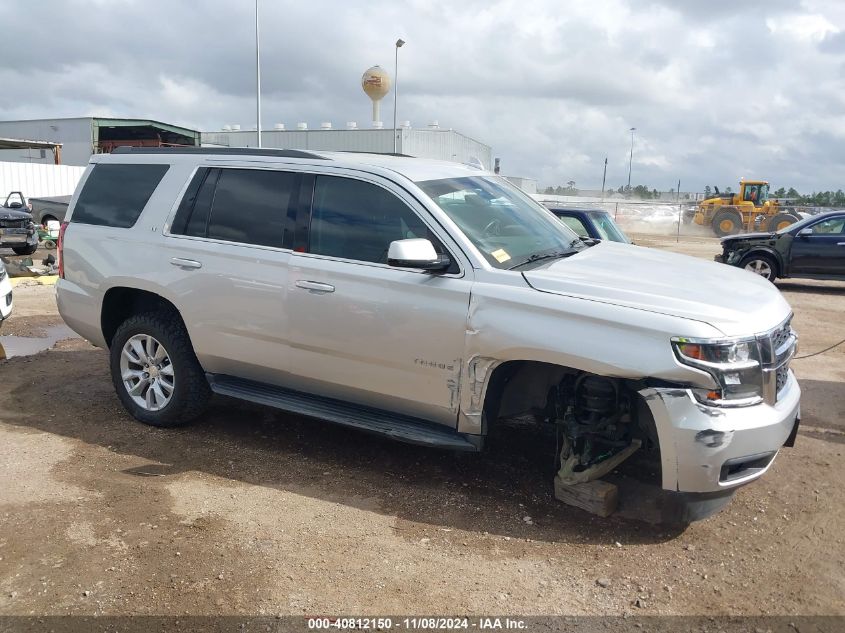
(230, 270)
(366, 332)
(234, 306)
(823, 252)
(384, 337)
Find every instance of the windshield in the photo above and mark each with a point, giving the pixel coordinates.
(504, 224)
(608, 229)
(757, 194)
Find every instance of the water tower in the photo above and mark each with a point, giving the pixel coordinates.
(376, 83)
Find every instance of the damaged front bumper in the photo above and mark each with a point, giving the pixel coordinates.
(708, 449)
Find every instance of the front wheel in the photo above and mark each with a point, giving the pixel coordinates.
(155, 372)
(29, 249)
(762, 265)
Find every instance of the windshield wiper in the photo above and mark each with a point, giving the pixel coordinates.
(536, 257)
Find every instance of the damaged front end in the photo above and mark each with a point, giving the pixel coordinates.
(594, 415)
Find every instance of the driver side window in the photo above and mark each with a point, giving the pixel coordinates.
(833, 226)
(357, 220)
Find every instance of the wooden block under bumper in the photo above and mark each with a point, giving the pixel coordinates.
(597, 497)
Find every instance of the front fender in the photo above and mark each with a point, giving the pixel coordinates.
(522, 324)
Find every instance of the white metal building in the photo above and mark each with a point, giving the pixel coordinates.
(81, 137)
(431, 142)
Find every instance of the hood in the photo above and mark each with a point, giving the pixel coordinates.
(730, 299)
(749, 236)
(14, 214)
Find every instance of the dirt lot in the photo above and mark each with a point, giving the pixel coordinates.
(255, 512)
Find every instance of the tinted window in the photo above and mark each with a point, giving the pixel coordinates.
(115, 195)
(833, 226)
(249, 206)
(198, 220)
(357, 220)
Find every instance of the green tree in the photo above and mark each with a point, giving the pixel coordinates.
(780, 193)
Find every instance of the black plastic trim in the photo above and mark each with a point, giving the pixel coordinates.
(395, 426)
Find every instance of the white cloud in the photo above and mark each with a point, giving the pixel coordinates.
(715, 89)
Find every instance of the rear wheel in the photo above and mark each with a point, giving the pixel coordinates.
(155, 372)
(727, 222)
(29, 249)
(760, 264)
(780, 221)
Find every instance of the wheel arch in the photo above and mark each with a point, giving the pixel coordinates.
(513, 386)
(121, 302)
(763, 250)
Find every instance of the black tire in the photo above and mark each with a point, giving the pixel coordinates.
(190, 394)
(780, 220)
(29, 249)
(761, 264)
(727, 222)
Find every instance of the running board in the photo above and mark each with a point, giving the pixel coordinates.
(395, 426)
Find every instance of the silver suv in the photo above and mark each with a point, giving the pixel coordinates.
(423, 300)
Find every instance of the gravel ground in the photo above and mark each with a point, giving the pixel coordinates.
(254, 512)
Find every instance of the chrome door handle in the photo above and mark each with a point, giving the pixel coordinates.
(840, 243)
(314, 286)
(185, 263)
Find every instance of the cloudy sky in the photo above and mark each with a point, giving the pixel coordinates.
(717, 89)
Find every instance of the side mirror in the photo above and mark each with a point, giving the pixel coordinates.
(416, 253)
(805, 232)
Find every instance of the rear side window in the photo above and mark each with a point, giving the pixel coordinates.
(115, 195)
(248, 206)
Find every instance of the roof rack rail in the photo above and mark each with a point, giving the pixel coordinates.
(241, 151)
(363, 151)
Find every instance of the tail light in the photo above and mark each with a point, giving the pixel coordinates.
(60, 250)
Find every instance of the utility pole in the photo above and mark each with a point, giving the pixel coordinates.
(604, 177)
(399, 44)
(631, 158)
(257, 78)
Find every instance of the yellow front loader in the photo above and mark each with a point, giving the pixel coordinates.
(749, 210)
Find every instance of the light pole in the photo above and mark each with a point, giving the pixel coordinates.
(631, 158)
(257, 78)
(399, 44)
(603, 177)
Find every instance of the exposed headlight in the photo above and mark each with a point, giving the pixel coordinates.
(733, 364)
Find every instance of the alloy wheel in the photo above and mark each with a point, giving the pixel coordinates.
(147, 372)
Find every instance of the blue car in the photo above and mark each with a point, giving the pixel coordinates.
(593, 223)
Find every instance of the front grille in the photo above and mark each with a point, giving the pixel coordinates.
(14, 224)
(778, 346)
(781, 377)
(781, 336)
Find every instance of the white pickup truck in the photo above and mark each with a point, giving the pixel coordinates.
(423, 300)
